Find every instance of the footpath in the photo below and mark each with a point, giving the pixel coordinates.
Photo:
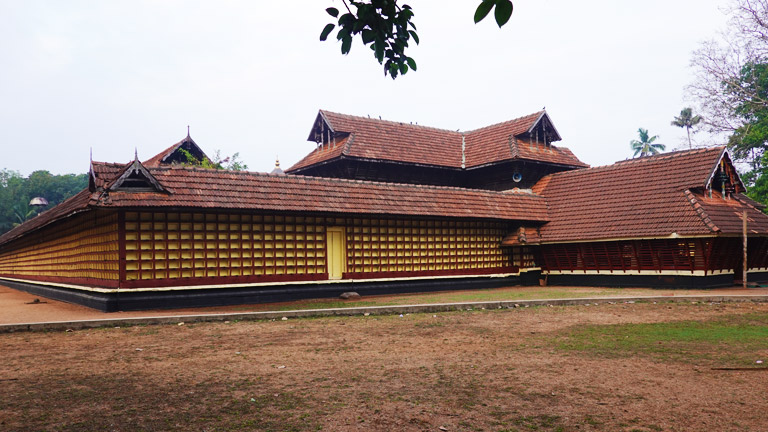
(20, 311)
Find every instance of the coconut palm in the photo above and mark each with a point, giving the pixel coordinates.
(687, 120)
(645, 146)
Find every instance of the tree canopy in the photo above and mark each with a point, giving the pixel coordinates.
(731, 88)
(388, 28)
(16, 192)
(229, 163)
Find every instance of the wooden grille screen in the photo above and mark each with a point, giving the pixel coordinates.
(684, 255)
(424, 246)
(241, 247)
(82, 249)
(206, 245)
(523, 257)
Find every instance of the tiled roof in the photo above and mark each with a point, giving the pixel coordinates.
(157, 160)
(200, 188)
(326, 153)
(726, 214)
(497, 142)
(404, 142)
(213, 189)
(103, 173)
(154, 161)
(638, 198)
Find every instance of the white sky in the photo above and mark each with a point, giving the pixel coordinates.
(249, 76)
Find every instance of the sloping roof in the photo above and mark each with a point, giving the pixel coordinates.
(498, 142)
(726, 214)
(103, 173)
(367, 138)
(200, 188)
(166, 155)
(640, 198)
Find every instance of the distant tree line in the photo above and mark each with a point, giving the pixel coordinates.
(16, 192)
(731, 89)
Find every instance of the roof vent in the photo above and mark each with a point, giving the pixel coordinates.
(517, 177)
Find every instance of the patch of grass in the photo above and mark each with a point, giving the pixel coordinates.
(729, 339)
(541, 422)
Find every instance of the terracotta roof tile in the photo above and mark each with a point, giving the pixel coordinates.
(102, 172)
(200, 188)
(497, 142)
(726, 214)
(404, 142)
(645, 197)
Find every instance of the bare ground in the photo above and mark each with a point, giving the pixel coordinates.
(474, 371)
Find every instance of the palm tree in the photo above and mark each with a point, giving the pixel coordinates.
(687, 120)
(645, 146)
(22, 212)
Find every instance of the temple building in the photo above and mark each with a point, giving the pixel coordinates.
(380, 206)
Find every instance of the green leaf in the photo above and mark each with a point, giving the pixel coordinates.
(483, 9)
(411, 62)
(326, 31)
(379, 50)
(368, 36)
(403, 68)
(332, 11)
(503, 11)
(414, 36)
(346, 45)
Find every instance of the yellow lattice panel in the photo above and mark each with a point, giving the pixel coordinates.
(395, 245)
(193, 245)
(82, 247)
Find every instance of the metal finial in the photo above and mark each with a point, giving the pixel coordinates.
(187, 131)
(277, 162)
(136, 153)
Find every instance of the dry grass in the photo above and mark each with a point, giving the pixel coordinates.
(544, 368)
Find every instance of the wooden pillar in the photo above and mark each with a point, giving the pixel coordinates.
(745, 265)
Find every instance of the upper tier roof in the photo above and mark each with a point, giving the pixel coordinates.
(527, 137)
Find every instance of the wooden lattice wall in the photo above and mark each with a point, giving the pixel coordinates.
(222, 248)
(721, 254)
(401, 247)
(82, 249)
(170, 248)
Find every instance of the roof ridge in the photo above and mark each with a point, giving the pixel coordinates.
(700, 210)
(394, 122)
(645, 159)
(676, 153)
(537, 113)
(342, 180)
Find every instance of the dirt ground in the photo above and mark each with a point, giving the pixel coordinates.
(18, 307)
(461, 371)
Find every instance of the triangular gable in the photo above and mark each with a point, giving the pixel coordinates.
(323, 131)
(542, 130)
(174, 155)
(136, 178)
(724, 176)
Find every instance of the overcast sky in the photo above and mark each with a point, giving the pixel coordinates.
(249, 77)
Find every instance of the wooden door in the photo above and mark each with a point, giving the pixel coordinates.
(336, 254)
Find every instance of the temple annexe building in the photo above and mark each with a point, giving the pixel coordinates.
(381, 206)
